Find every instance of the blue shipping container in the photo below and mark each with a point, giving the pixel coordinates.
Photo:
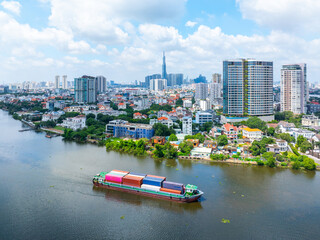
(153, 181)
(172, 185)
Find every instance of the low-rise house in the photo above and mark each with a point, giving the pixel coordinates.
(296, 132)
(201, 152)
(158, 140)
(252, 133)
(285, 126)
(230, 131)
(122, 105)
(273, 148)
(75, 123)
(273, 125)
(137, 115)
(310, 121)
(51, 116)
(163, 120)
(283, 145)
(195, 142)
(76, 108)
(209, 144)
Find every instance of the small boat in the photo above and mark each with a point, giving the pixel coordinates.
(48, 136)
(147, 185)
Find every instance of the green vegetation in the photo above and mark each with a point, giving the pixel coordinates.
(165, 151)
(185, 148)
(162, 130)
(285, 136)
(197, 136)
(222, 140)
(173, 137)
(270, 131)
(259, 147)
(138, 148)
(218, 157)
(303, 144)
(289, 117)
(206, 127)
(179, 102)
(157, 107)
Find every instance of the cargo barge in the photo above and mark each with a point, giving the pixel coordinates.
(147, 185)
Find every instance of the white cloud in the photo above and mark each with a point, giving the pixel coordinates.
(190, 24)
(286, 15)
(109, 21)
(12, 6)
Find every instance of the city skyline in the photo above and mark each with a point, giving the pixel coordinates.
(40, 40)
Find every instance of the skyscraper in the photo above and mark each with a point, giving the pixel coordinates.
(216, 78)
(85, 89)
(101, 84)
(215, 89)
(64, 82)
(175, 79)
(164, 67)
(149, 78)
(294, 88)
(201, 91)
(57, 82)
(247, 87)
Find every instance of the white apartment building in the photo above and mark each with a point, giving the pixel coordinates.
(64, 82)
(158, 84)
(204, 105)
(187, 125)
(57, 82)
(203, 117)
(187, 103)
(201, 91)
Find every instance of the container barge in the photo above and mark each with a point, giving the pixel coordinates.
(147, 185)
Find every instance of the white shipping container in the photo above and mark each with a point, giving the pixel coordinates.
(117, 173)
(150, 187)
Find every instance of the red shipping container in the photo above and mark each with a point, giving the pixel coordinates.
(132, 180)
(170, 190)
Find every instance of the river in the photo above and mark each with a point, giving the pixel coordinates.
(46, 193)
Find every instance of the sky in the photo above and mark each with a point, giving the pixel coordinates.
(123, 40)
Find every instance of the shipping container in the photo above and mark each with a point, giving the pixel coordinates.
(138, 174)
(132, 180)
(170, 190)
(154, 176)
(114, 170)
(153, 181)
(172, 185)
(150, 187)
(117, 173)
(113, 178)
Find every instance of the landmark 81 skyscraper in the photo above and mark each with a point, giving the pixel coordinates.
(247, 87)
(164, 67)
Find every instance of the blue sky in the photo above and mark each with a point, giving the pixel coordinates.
(124, 39)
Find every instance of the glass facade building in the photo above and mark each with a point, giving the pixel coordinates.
(247, 87)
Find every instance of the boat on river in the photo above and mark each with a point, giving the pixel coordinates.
(147, 185)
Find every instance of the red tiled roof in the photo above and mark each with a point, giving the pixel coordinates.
(162, 118)
(227, 126)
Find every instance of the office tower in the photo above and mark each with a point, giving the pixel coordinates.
(216, 78)
(247, 87)
(85, 89)
(201, 91)
(101, 84)
(164, 67)
(57, 82)
(158, 84)
(175, 79)
(64, 82)
(294, 88)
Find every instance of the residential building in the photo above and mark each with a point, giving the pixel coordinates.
(285, 126)
(85, 89)
(158, 140)
(174, 79)
(187, 125)
(122, 106)
(313, 107)
(64, 82)
(110, 126)
(203, 117)
(310, 121)
(294, 88)
(204, 105)
(230, 131)
(158, 84)
(215, 93)
(252, 133)
(201, 91)
(296, 132)
(75, 123)
(195, 142)
(131, 130)
(149, 78)
(57, 82)
(53, 116)
(216, 78)
(163, 120)
(187, 103)
(101, 84)
(247, 88)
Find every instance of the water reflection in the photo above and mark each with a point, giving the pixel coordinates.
(138, 200)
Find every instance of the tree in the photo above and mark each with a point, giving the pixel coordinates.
(185, 148)
(206, 127)
(255, 122)
(179, 102)
(222, 140)
(197, 136)
(300, 140)
(90, 115)
(287, 137)
(173, 137)
(270, 131)
(309, 164)
(162, 130)
(305, 146)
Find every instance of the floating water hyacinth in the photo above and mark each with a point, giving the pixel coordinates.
(225, 220)
(122, 217)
